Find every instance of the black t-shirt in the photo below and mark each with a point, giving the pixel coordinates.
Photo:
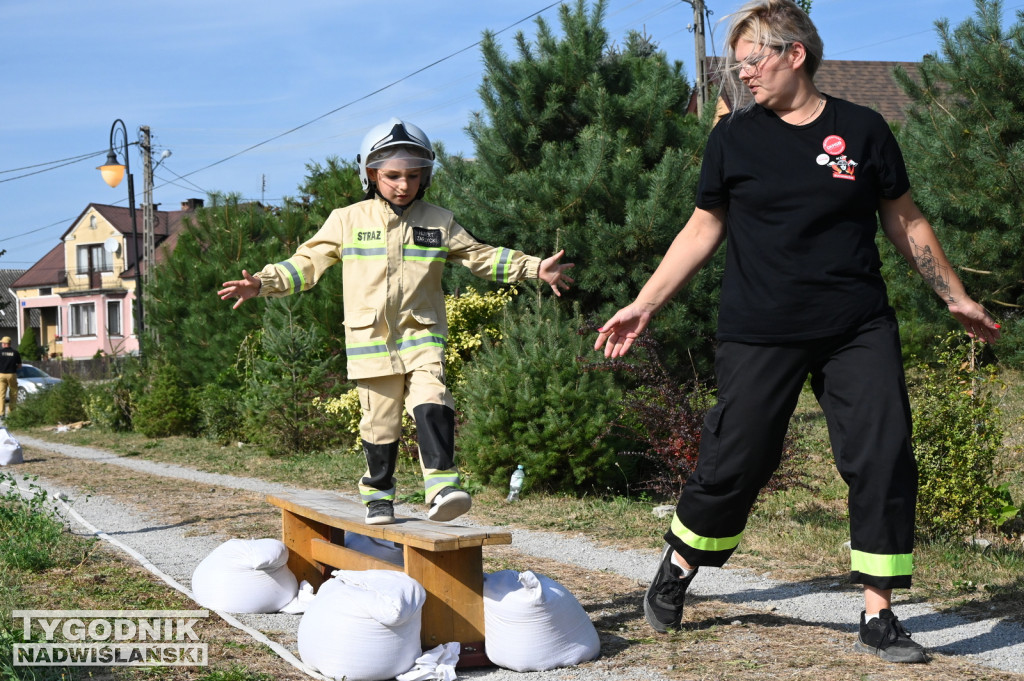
(10, 360)
(802, 202)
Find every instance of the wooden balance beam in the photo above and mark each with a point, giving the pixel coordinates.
(447, 560)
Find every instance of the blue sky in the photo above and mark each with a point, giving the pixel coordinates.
(214, 78)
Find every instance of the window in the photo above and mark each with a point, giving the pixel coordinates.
(113, 317)
(83, 319)
(94, 258)
(46, 291)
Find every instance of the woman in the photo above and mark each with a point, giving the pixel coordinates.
(795, 183)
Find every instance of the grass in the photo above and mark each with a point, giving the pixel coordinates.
(45, 567)
(797, 535)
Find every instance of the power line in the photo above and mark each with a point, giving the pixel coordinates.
(77, 159)
(194, 185)
(368, 95)
(287, 132)
(80, 157)
(33, 231)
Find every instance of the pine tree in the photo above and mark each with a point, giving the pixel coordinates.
(289, 371)
(586, 145)
(964, 146)
(527, 401)
(326, 187)
(166, 405)
(220, 240)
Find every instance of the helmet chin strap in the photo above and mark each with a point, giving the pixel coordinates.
(372, 193)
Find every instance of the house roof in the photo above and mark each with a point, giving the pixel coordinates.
(50, 270)
(8, 277)
(869, 83)
(168, 227)
(9, 320)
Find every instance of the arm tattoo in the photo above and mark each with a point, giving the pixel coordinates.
(933, 272)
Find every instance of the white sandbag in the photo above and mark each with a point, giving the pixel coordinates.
(245, 575)
(363, 625)
(533, 623)
(10, 449)
(437, 664)
(301, 601)
(378, 548)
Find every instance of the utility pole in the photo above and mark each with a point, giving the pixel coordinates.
(700, 55)
(148, 226)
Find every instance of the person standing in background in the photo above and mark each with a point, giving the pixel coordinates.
(10, 362)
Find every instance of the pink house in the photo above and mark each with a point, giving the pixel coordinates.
(84, 289)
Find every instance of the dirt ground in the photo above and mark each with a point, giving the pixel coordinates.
(719, 641)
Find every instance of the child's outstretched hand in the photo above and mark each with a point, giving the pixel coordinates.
(552, 273)
(245, 288)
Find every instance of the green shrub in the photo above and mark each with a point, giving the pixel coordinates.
(956, 438)
(64, 402)
(166, 407)
(29, 412)
(28, 348)
(110, 405)
(220, 416)
(527, 401)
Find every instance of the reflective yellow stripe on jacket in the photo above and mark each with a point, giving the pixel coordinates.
(392, 269)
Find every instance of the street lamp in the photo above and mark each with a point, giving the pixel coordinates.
(112, 173)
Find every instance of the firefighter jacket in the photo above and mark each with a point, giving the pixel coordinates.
(391, 274)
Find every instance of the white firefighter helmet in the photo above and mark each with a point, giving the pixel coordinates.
(395, 140)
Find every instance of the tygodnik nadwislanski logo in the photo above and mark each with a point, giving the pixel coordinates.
(139, 638)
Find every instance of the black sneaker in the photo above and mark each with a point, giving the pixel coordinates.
(449, 504)
(380, 512)
(663, 604)
(885, 637)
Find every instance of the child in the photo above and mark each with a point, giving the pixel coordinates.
(394, 247)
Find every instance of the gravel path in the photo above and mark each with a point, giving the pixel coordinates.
(993, 642)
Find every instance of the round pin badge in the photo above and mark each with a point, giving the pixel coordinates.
(834, 145)
(823, 159)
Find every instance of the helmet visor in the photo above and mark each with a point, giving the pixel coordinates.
(400, 158)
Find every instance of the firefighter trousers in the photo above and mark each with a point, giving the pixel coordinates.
(858, 380)
(423, 394)
(8, 383)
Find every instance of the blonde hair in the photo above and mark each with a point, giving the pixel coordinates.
(775, 24)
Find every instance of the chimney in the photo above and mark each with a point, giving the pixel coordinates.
(190, 205)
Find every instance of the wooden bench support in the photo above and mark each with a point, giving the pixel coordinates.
(454, 582)
(447, 560)
(298, 534)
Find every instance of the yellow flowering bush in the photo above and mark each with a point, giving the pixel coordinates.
(344, 408)
(472, 316)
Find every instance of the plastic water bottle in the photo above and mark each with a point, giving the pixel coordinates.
(516, 484)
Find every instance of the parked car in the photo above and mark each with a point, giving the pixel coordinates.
(33, 379)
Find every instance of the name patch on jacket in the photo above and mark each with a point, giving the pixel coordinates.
(372, 235)
(421, 236)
